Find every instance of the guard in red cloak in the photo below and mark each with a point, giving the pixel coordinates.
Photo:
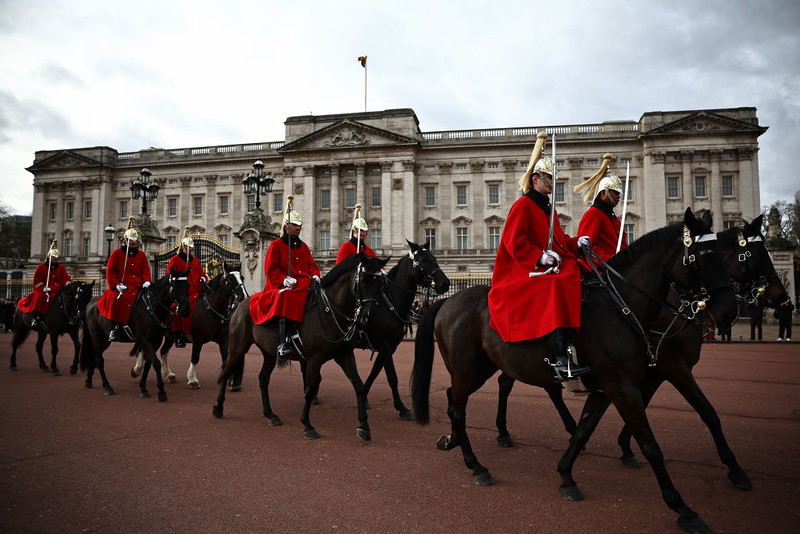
(182, 261)
(50, 278)
(284, 294)
(535, 291)
(357, 241)
(128, 270)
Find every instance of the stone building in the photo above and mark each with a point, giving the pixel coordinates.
(453, 188)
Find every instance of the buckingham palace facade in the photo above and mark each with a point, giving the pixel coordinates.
(452, 188)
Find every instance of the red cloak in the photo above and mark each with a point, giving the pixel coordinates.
(137, 273)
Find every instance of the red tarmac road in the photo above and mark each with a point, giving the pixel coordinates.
(73, 460)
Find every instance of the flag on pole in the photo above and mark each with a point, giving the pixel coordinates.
(363, 61)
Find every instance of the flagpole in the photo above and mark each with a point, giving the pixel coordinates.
(365, 88)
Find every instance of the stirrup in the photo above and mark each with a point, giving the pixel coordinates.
(284, 350)
(113, 335)
(563, 369)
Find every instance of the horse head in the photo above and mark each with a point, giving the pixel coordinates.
(425, 264)
(366, 284)
(179, 290)
(752, 266)
(234, 282)
(701, 270)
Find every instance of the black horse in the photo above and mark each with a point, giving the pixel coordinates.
(150, 318)
(64, 316)
(684, 256)
(345, 297)
(391, 316)
(210, 321)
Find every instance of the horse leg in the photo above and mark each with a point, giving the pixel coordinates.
(347, 361)
(457, 410)
(555, 392)
(377, 365)
(191, 376)
(39, 346)
(235, 380)
(166, 372)
(391, 377)
(687, 386)
(312, 379)
(54, 352)
(505, 384)
(162, 393)
(267, 366)
(137, 367)
(100, 363)
(21, 332)
(630, 406)
(76, 343)
(143, 393)
(628, 457)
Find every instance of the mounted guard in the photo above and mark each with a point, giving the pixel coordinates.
(185, 260)
(358, 238)
(536, 284)
(50, 278)
(289, 269)
(127, 271)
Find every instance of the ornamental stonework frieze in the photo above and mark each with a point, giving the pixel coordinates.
(298, 189)
(575, 163)
(397, 184)
(347, 137)
(386, 166)
(510, 165)
(445, 167)
(476, 166)
(659, 157)
(409, 165)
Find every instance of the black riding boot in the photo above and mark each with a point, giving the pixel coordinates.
(563, 368)
(180, 340)
(37, 319)
(284, 349)
(114, 334)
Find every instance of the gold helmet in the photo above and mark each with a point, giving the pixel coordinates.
(538, 149)
(592, 185)
(359, 224)
(292, 217)
(53, 252)
(611, 183)
(545, 164)
(187, 241)
(131, 235)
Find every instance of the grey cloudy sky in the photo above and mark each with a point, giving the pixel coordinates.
(175, 73)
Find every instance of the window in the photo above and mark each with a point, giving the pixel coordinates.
(53, 208)
(149, 206)
(172, 207)
(630, 191)
(461, 238)
(87, 209)
(727, 185)
(376, 197)
(728, 224)
(68, 246)
(430, 237)
(70, 211)
(430, 197)
(349, 198)
(223, 205)
(726, 155)
(461, 268)
(375, 238)
(171, 240)
(590, 162)
(671, 157)
(172, 181)
(224, 178)
(494, 237)
(494, 194)
(559, 192)
(630, 234)
(223, 238)
(199, 180)
(251, 203)
(461, 166)
(699, 186)
(430, 168)
(493, 165)
(461, 195)
(324, 239)
(698, 157)
(277, 202)
(673, 187)
(325, 199)
(123, 209)
(87, 246)
(197, 205)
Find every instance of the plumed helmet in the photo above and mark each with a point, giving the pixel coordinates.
(53, 252)
(293, 218)
(545, 164)
(611, 183)
(360, 224)
(131, 235)
(187, 241)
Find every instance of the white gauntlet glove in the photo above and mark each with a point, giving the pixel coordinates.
(547, 260)
(315, 278)
(289, 282)
(121, 288)
(46, 289)
(584, 242)
(146, 284)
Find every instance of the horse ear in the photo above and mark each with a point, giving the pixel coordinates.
(688, 216)
(756, 225)
(707, 218)
(412, 246)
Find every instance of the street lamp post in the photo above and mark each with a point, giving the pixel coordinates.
(143, 187)
(257, 182)
(110, 233)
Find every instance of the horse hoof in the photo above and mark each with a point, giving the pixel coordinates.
(144, 395)
(693, 525)
(55, 372)
(235, 388)
(170, 379)
(134, 374)
(162, 396)
(193, 385)
(12, 367)
(570, 493)
(87, 384)
(631, 462)
(363, 434)
(483, 479)
(73, 370)
(45, 369)
(216, 411)
(274, 420)
(407, 415)
(310, 433)
(109, 392)
(740, 479)
(444, 443)
(505, 441)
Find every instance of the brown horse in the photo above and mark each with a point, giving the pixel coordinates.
(684, 256)
(64, 316)
(150, 318)
(344, 298)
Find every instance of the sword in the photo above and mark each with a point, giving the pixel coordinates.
(358, 230)
(289, 206)
(125, 265)
(624, 207)
(552, 198)
(47, 282)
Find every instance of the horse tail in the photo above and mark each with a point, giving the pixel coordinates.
(87, 351)
(423, 364)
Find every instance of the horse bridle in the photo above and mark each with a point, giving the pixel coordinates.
(747, 265)
(146, 296)
(231, 298)
(352, 323)
(73, 319)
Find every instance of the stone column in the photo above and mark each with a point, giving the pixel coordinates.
(654, 202)
(386, 204)
(748, 178)
(360, 192)
(716, 191)
(336, 208)
(409, 203)
(687, 181)
(37, 223)
(309, 212)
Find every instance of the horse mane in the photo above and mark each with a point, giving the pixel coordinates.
(654, 239)
(214, 282)
(349, 264)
